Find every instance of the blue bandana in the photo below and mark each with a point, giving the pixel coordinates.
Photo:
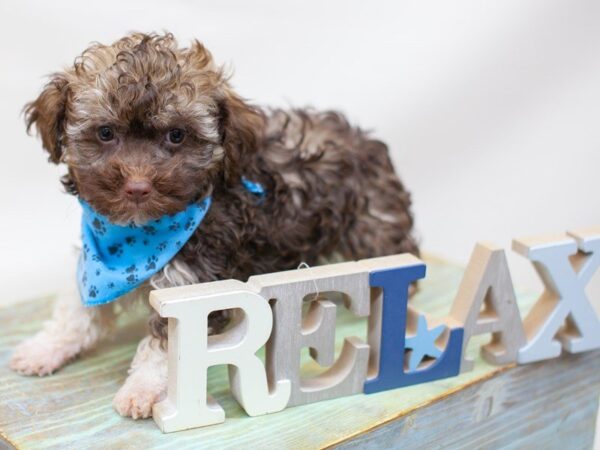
(115, 259)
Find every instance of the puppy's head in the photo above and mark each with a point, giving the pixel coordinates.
(145, 127)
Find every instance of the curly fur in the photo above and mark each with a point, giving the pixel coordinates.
(331, 187)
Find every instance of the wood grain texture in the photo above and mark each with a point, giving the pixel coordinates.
(487, 283)
(72, 409)
(549, 405)
(287, 292)
(562, 317)
(192, 352)
(394, 285)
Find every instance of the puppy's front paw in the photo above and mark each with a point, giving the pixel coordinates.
(137, 396)
(40, 356)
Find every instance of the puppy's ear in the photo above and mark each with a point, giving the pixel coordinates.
(240, 124)
(47, 113)
(241, 129)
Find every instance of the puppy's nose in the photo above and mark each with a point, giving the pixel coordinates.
(137, 190)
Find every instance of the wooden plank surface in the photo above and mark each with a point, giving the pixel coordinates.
(549, 405)
(72, 409)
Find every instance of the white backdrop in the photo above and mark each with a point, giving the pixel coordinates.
(490, 109)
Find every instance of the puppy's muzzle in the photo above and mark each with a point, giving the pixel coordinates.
(137, 190)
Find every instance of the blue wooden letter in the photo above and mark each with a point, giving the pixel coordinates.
(390, 374)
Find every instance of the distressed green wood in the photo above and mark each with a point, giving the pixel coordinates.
(550, 405)
(72, 409)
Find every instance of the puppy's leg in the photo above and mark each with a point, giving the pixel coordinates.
(72, 329)
(147, 380)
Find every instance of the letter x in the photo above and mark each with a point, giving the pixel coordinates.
(563, 311)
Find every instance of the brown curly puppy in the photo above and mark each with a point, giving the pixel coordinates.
(146, 127)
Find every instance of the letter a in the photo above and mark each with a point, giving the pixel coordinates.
(487, 283)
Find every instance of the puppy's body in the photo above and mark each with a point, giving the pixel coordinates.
(329, 187)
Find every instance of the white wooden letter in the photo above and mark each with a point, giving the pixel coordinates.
(565, 265)
(191, 352)
(487, 283)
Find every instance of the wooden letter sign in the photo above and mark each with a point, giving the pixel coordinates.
(403, 346)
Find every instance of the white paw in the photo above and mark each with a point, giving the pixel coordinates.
(40, 356)
(137, 396)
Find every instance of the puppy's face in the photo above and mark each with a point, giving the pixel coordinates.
(144, 126)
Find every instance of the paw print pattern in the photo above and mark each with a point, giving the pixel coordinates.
(118, 257)
(132, 279)
(99, 226)
(149, 229)
(86, 250)
(190, 223)
(152, 260)
(116, 250)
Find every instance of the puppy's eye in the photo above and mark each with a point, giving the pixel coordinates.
(106, 133)
(176, 136)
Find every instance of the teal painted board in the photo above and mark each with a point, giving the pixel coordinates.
(548, 406)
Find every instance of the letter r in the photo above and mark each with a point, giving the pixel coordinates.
(191, 352)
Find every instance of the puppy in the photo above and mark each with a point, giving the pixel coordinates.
(147, 128)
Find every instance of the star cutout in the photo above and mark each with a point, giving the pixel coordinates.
(422, 343)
